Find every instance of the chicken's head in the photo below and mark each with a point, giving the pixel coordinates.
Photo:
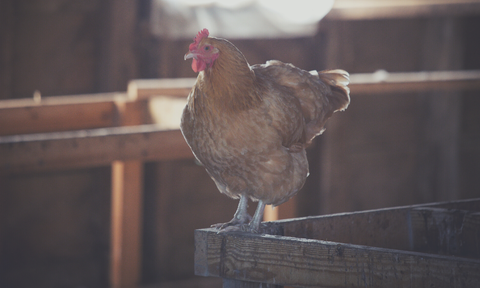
(202, 51)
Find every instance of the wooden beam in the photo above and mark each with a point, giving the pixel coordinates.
(301, 262)
(382, 82)
(87, 148)
(446, 231)
(126, 227)
(386, 228)
(296, 253)
(63, 100)
(371, 9)
(61, 113)
(146, 88)
(127, 207)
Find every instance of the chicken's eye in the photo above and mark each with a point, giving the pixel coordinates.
(207, 48)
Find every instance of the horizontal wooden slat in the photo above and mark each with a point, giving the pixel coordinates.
(368, 83)
(382, 82)
(295, 252)
(146, 88)
(56, 118)
(95, 147)
(303, 262)
(59, 113)
(446, 231)
(386, 228)
(379, 9)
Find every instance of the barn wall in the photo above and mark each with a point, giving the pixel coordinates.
(399, 149)
(55, 230)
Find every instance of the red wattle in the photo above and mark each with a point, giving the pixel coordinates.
(194, 65)
(198, 66)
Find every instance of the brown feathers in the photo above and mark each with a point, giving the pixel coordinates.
(249, 125)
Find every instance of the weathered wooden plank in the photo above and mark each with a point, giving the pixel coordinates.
(300, 262)
(63, 100)
(127, 200)
(126, 227)
(146, 88)
(446, 231)
(62, 113)
(56, 118)
(95, 147)
(368, 9)
(384, 82)
(385, 228)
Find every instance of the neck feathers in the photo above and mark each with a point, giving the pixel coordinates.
(229, 85)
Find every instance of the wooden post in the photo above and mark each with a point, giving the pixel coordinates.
(126, 226)
(127, 199)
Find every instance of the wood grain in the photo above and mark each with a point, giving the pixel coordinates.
(303, 262)
(146, 88)
(61, 113)
(446, 231)
(296, 254)
(88, 148)
(395, 228)
(384, 82)
(126, 227)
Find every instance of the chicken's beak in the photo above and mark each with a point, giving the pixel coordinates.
(190, 55)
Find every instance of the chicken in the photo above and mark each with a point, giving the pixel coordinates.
(249, 125)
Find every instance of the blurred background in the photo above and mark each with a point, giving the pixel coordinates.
(387, 149)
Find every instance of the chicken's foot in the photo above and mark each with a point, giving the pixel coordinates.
(252, 227)
(240, 217)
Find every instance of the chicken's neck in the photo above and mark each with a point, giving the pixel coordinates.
(228, 86)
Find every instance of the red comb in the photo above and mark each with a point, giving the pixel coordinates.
(202, 34)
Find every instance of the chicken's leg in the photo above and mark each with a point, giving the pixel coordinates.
(240, 217)
(254, 225)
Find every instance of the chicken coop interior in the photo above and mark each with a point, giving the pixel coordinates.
(98, 187)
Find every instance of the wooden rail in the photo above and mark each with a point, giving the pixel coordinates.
(378, 248)
(382, 82)
(89, 148)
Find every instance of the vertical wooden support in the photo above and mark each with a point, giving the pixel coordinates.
(127, 209)
(270, 214)
(284, 211)
(127, 187)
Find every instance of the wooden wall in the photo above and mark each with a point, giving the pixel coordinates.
(55, 226)
(399, 149)
(385, 150)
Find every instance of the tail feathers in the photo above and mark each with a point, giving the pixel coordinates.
(338, 100)
(338, 80)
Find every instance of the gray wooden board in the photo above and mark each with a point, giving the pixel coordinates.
(307, 261)
(304, 262)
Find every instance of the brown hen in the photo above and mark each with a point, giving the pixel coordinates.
(249, 125)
